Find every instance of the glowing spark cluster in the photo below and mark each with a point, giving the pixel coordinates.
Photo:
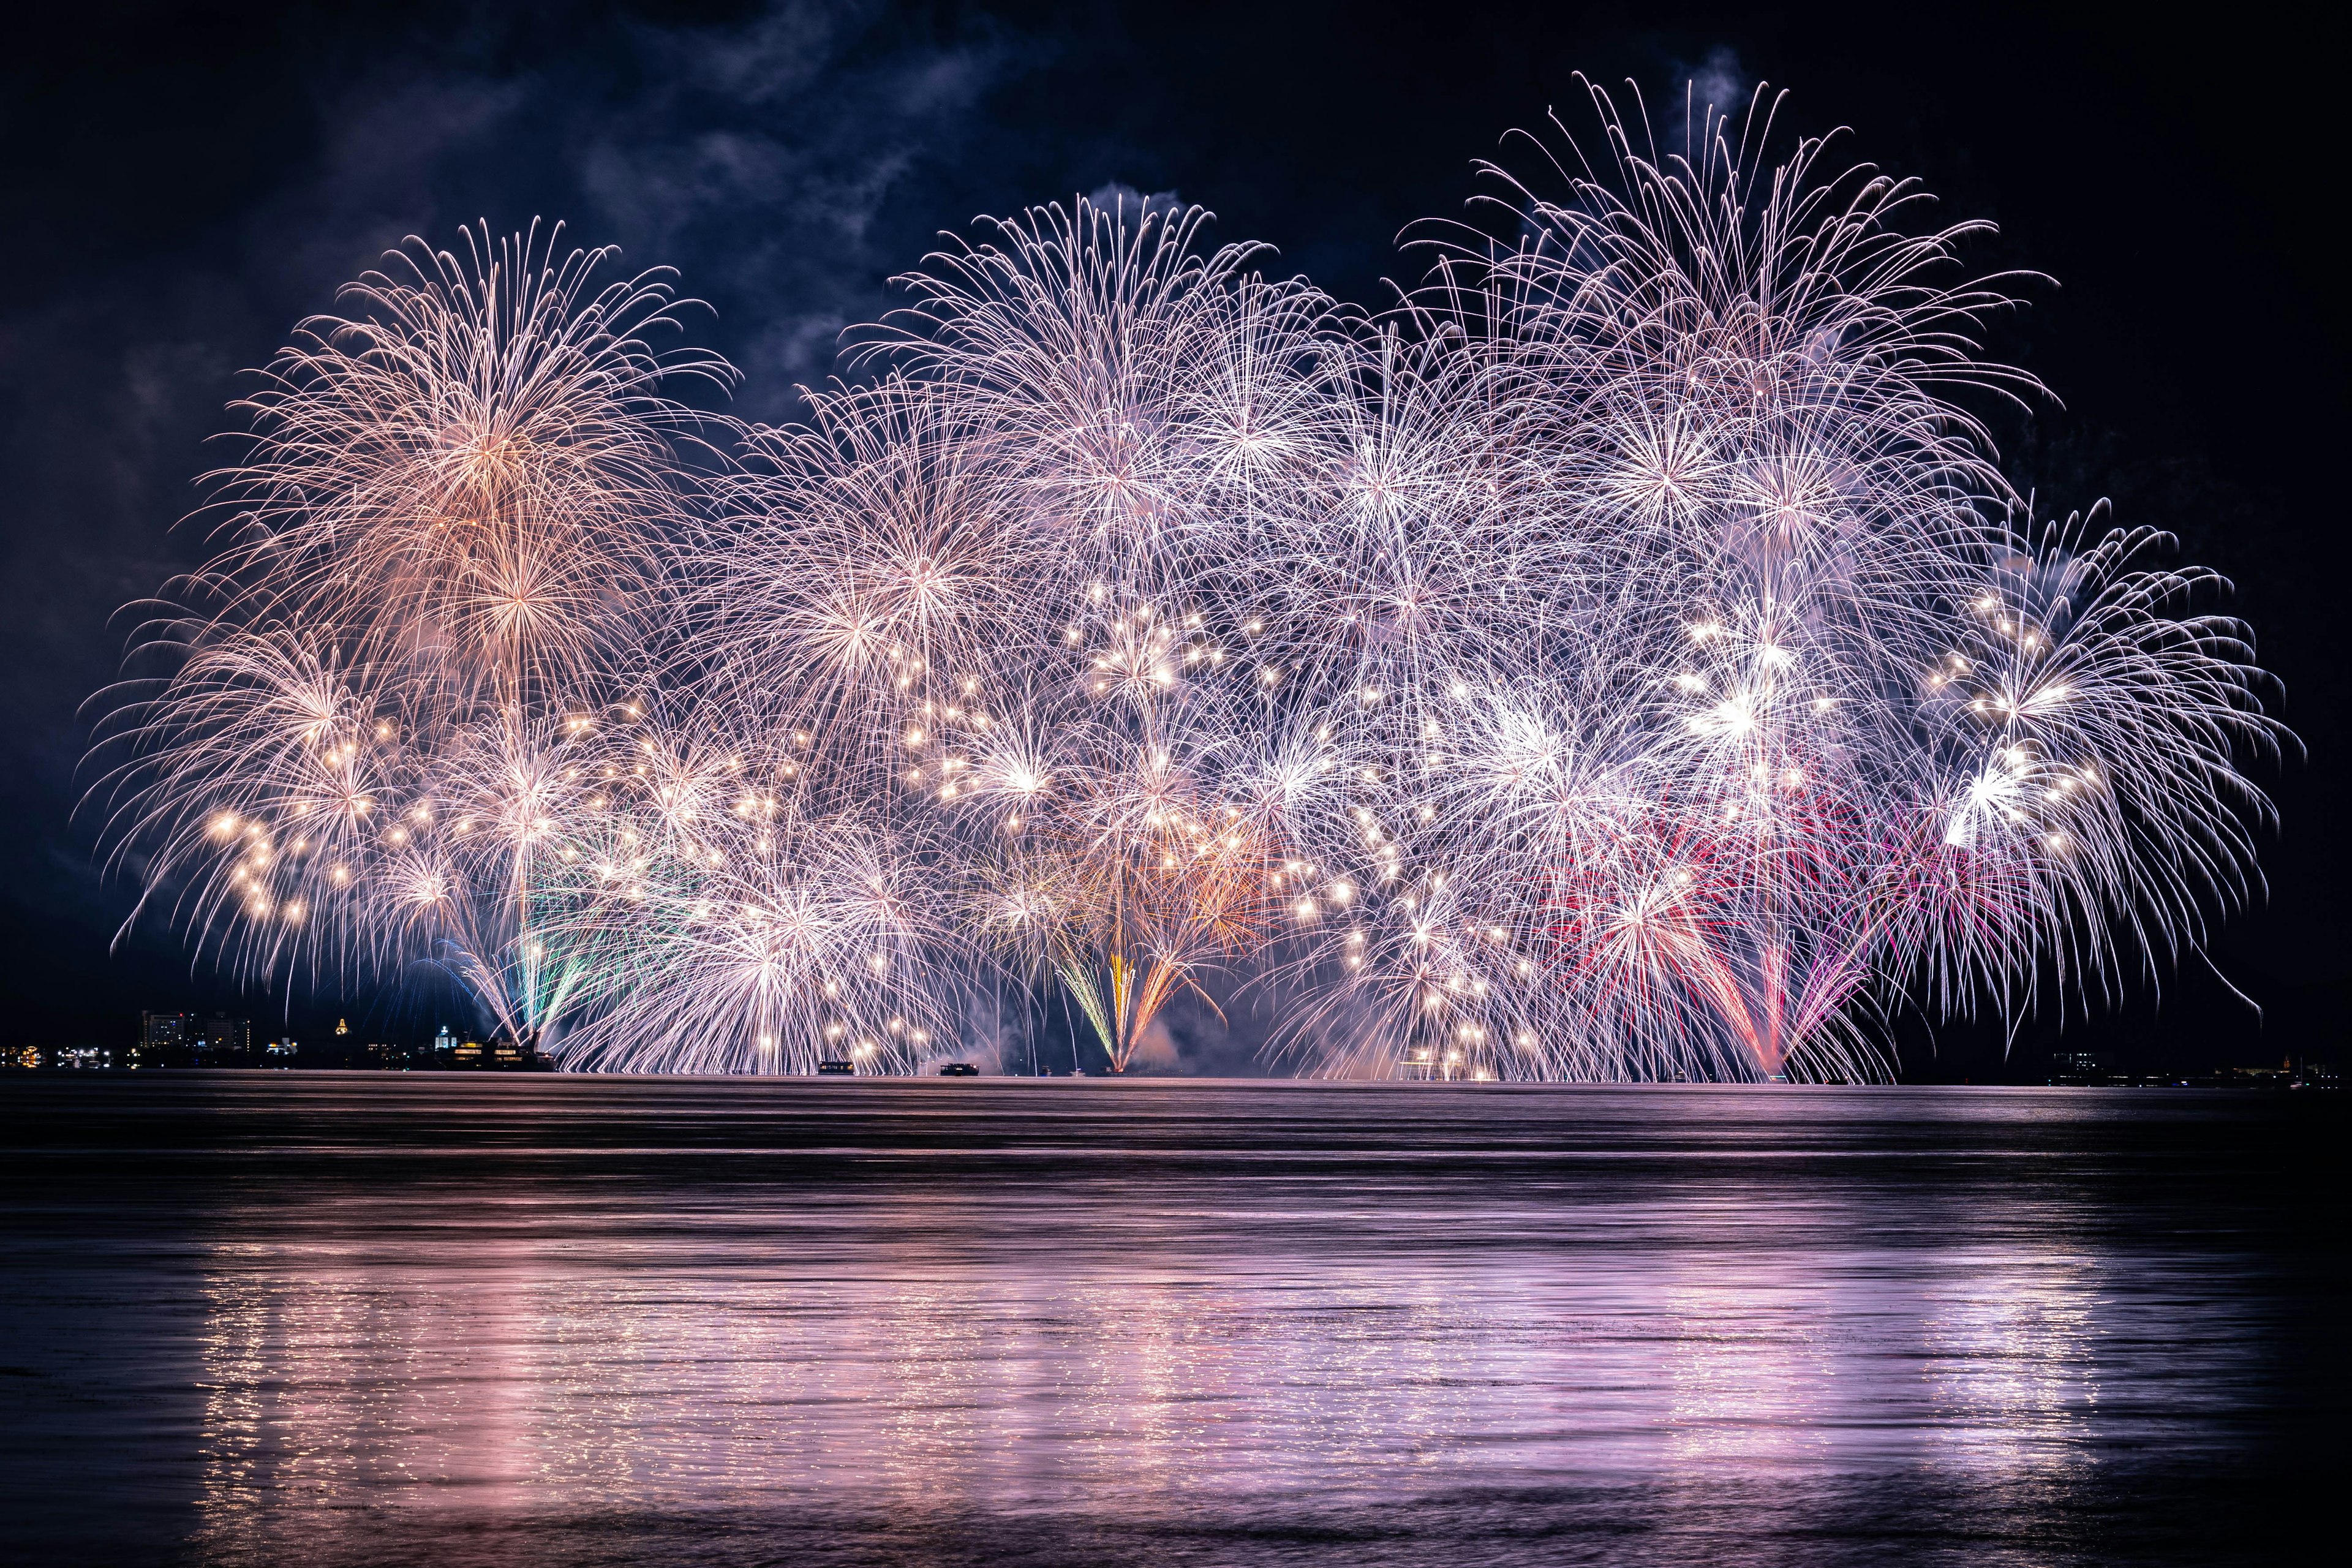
(1623, 659)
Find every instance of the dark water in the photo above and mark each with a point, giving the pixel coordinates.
(261, 1319)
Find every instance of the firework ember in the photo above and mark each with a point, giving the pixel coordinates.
(1625, 658)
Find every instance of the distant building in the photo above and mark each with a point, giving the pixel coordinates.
(224, 1039)
(392, 1058)
(182, 1039)
(500, 1054)
(2081, 1067)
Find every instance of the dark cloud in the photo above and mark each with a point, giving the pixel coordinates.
(1716, 82)
(1116, 196)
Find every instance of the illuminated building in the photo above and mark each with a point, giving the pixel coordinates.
(163, 1036)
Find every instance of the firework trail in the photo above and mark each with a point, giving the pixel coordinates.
(1623, 659)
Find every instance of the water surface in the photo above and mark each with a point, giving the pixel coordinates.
(446, 1321)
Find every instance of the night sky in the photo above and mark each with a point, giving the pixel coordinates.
(184, 182)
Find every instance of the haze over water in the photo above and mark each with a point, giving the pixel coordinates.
(328, 1318)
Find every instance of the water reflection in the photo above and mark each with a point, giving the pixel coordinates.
(1174, 1309)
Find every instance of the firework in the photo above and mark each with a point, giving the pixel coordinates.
(1624, 658)
(444, 556)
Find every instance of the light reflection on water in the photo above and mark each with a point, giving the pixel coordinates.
(355, 1318)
